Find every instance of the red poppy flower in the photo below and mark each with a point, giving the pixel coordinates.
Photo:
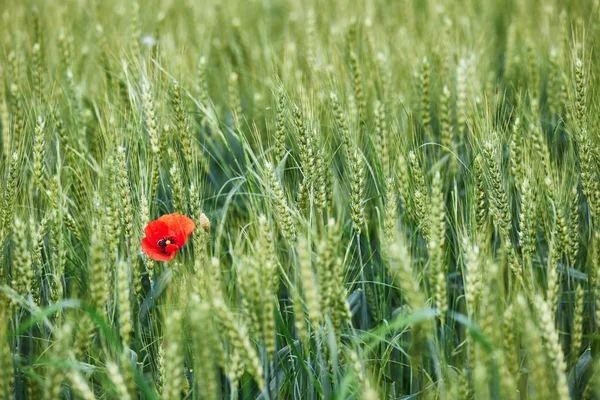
(166, 235)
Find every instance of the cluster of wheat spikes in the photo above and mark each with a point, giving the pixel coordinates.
(393, 199)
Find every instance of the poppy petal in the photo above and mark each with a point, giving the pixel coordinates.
(179, 227)
(156, 230)
(179, 220)
(172, 248)
(155, 252)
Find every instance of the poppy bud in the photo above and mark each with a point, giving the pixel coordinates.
(204, 222)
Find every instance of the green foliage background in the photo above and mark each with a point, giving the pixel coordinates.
(393, 199)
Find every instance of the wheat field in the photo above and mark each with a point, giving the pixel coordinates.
(384, 199)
